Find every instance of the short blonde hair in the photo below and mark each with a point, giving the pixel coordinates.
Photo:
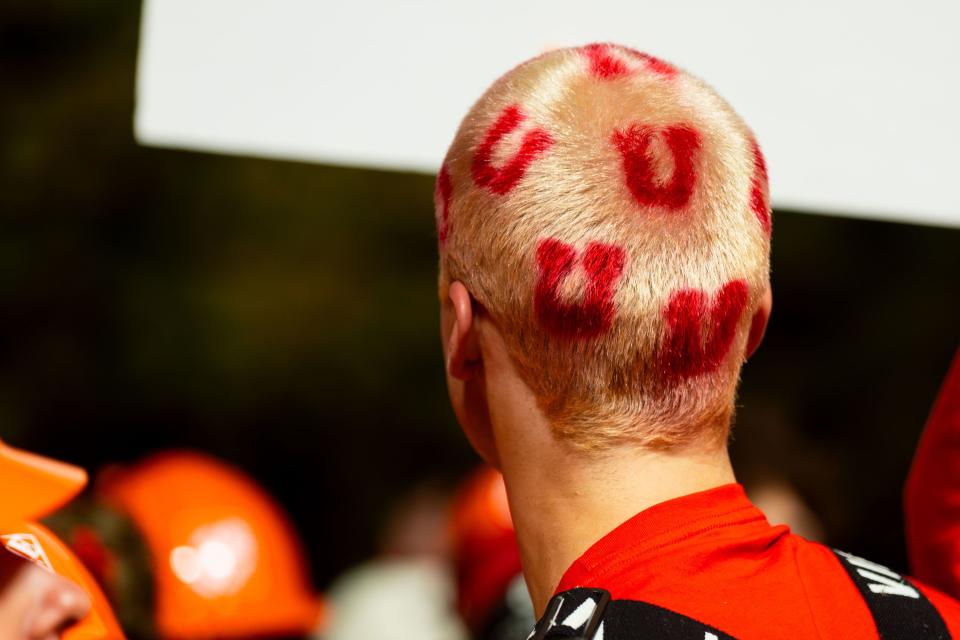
(611, 213)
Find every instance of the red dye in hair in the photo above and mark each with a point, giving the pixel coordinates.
(441, 194)
(757, 202)
(605, 64)
(758, 323)
(593, 315)
(602, 63)
(688, 352)
(502, 180)
(634, 145)
(655, 64)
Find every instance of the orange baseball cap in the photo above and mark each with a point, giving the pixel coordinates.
(226, 561)
(33, 485)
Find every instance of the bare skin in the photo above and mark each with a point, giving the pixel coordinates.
(36, 604)
(561, 500)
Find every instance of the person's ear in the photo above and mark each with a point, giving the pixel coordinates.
(466, 382)
(758, 324)
(463, 349)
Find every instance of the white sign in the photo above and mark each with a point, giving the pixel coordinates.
(855, 103)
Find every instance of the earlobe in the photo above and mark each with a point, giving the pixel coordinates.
(758, 324)
(463, 353)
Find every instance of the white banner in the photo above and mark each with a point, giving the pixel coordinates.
(855, 103)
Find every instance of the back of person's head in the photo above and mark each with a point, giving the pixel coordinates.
(610, 213)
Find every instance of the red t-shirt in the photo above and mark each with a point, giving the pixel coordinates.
(712, 556)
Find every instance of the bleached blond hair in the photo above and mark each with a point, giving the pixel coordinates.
(611, 213)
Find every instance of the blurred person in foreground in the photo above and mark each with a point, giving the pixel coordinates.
(932, 494)
(406, 591)
(604, 234)
(45, 593)
(191, 548)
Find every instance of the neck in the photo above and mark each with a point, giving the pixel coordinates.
(563, 501)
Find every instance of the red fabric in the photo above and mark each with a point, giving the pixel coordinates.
(932, 495)
(442, 194)
(757, 202)
(712, 556)
(535, 143)
(639, 170)
(687, 351)
(593, 315)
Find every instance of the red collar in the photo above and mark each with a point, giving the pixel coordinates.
(647, 534)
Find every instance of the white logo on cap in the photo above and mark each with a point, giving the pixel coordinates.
(28, 547)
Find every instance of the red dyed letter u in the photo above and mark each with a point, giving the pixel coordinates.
(606, 65)
(639, 169)
(502, 180)
(687, 351)
(593, 315)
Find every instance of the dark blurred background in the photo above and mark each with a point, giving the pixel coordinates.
(283, 315)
